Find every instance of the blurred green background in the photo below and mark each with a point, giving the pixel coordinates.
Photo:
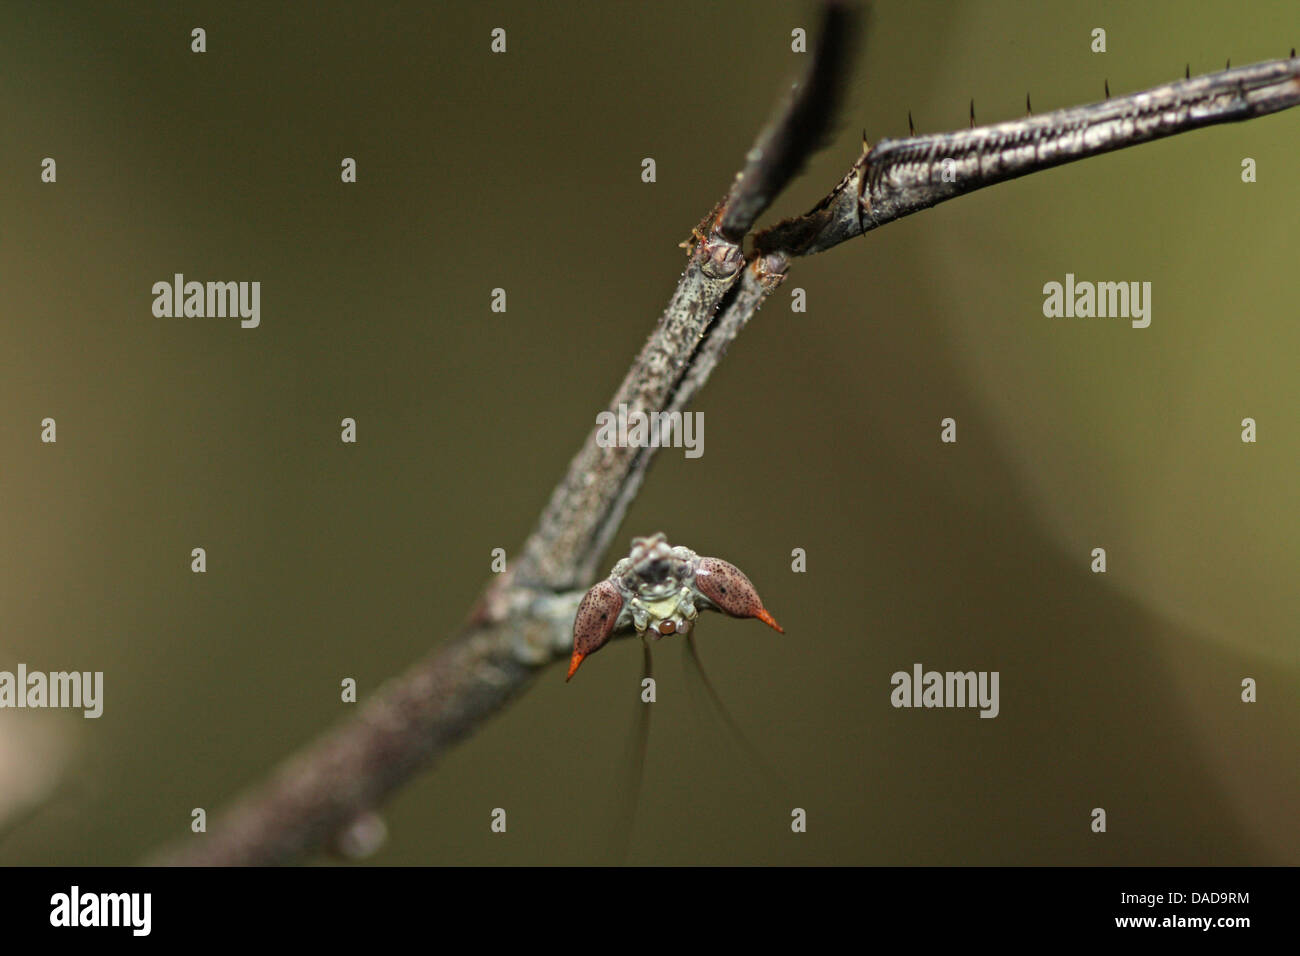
(522, 171)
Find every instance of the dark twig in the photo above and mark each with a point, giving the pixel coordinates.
(800, 127)
(406, 723)
(524, 620)
(587, 507)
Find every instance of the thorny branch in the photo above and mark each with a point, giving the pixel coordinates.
(524, 619)
(899, 177)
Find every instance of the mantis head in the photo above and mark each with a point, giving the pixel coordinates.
(658, 590)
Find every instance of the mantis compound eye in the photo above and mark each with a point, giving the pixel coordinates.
(597, 615)
(726, 586)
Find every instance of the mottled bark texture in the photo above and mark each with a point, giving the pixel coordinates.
(524, 620)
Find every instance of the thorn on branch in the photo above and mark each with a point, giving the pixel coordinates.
(900, 177)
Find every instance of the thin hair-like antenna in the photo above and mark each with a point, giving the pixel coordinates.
(692, 657)
(620, 842)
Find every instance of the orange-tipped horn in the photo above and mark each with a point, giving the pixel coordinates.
(727, 587)
(770, 621)
(594, 622)
(573, 664)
